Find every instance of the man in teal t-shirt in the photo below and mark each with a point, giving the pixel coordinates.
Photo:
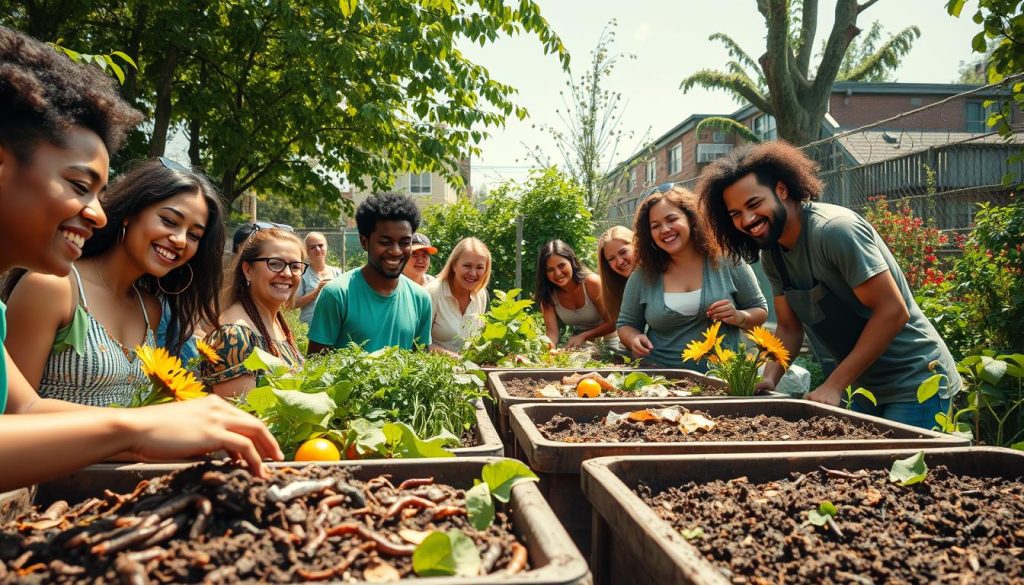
(375, 306)
(833, 278)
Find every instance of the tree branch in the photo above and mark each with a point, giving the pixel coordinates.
(843, 31)
(735, 84)
(887, 56)
(865, 6)
(809, 30)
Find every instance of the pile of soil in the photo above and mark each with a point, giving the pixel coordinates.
(527, 388)
(948, 529)
(216, 523)
(739, 428)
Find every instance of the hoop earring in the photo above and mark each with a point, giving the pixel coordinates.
(191, 275)
(120, 237)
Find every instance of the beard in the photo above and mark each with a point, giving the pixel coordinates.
(386, 273)
(776, 223)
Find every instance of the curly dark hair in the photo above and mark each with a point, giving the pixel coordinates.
(545, 292)
(386, 207)
(770, 162)
(43, 93)
(653, 259)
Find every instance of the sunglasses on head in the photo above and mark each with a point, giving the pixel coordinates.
(174, 165)
(658, 189)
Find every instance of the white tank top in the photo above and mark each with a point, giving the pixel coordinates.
(684, 303)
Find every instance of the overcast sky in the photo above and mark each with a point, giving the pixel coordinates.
(670, 40)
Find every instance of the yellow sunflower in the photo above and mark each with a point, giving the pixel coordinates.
(159, 365)
(722, 355)
(697, 349)
(185, 386)
(772, 346)
(208, 353)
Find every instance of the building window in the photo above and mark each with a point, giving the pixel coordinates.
(709, 152)
(419, 183)
(675, 160)
(651, 169)
(630, 180)
(718, 137)
(976, 115)
(764, 127)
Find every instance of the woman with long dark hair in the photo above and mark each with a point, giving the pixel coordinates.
(74, 336)
(682, 284)
(265, 279)
(59, 122)
(570, 295)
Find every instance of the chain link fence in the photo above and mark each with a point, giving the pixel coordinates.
(343, 248)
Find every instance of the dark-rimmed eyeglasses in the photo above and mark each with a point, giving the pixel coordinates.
(279, 264)
(658, 189)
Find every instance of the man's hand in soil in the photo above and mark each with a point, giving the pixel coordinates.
(827, 394)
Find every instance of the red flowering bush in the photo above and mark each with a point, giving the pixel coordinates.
(912, 242)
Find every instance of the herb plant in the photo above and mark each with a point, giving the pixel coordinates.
(851, 394)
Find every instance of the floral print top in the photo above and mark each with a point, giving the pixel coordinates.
(233, 343)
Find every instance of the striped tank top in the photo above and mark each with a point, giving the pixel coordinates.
(95, 369)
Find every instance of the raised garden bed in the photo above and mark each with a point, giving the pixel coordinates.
(288, 529)
(511, 387)
(720, 519)
(558, 462)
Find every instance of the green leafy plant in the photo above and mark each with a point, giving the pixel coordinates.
(823, 514)
(909, 471)
(995, 391)
(851, 394)
(445, 554)
(496, 481)
(949, 421)
(391, 403)
(510, 333)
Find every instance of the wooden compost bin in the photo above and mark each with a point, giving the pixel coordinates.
(558, 463)
(488, 441)
(499, 408)
(632, 544)
(553, 558)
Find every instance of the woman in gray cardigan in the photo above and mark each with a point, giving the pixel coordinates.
(682, 284)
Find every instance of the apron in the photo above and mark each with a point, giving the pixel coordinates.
(833, 323)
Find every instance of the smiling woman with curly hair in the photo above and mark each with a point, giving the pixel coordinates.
(682, 284)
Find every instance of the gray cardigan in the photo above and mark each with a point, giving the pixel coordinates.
(643, 307)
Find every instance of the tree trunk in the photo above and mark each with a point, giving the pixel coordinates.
(194, 136)
(130, 89)
(164, 91)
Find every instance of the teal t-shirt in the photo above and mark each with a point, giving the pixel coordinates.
(348, 309)
(3, 358)
(643, 308)
(841, 250)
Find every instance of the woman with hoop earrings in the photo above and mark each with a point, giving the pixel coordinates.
(74, 337)
(265, 278)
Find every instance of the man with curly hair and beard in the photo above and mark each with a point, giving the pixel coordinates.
(832, 277)
(59, 122)
(376, 305)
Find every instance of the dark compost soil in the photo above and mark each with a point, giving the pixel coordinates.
(740, 428)
(948, 529)
(527, 387)
(216, 523)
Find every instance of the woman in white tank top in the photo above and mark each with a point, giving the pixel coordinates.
(569, 295)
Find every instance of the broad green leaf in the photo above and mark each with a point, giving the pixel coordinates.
(261, 399)
(867, 394)
(993, 370)
(406, 444)
(314, 408)
(446, 554)
(909, 471)
(821, 515)
(480, 506)
(928, 388)
(501, 476)
(636, 381)
(264, 360)
(347, 7)
(494, 331)
(126, 59)
(118, 72)
(955, 6)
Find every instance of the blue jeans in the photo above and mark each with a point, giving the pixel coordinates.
(909, 413)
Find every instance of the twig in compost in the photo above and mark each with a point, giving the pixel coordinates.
(838, 473)
(518, 561)
(298, 489)
(490, 556)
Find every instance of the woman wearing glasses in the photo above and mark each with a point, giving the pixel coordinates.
(74, 336)
(265, 278)
(682, 283)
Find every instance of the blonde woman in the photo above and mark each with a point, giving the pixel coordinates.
(616, 259)
(459, 295)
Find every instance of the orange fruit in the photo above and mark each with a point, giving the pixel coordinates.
(588, 388)
(318, 449)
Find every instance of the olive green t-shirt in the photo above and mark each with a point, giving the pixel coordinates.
(843, 251)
